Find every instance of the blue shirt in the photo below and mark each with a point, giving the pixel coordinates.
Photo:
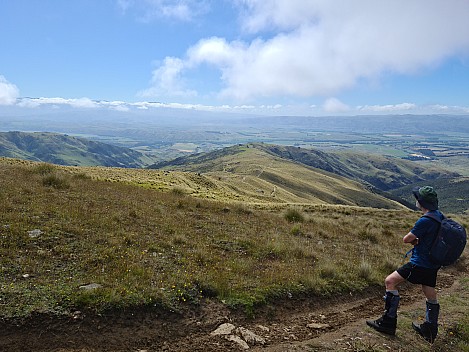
(425, 230)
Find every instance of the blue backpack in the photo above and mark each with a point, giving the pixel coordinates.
(449, 241)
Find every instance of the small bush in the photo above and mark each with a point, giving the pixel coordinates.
(82, 176)
(294, 215)
(178, 191)
(55, 181)
(242, 209)
(296, 230)
(44, 169)
(369, 235)
(328, 271)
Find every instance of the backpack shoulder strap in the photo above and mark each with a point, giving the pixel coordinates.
(438, 220)
(434, 217)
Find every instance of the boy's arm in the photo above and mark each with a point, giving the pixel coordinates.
(411, 238)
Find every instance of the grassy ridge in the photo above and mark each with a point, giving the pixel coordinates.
(66, 150)
(382, 172)
(254, 174)
(147, 247)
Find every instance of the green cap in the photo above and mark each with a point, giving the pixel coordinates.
(426, 196)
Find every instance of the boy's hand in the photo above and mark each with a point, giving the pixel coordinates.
(415, 242)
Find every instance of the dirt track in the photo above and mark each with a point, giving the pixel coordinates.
(283, 326)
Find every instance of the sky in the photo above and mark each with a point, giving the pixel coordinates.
(270, 57)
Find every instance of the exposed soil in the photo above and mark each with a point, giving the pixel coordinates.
(283, 325)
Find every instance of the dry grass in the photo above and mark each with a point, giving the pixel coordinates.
(147, 247)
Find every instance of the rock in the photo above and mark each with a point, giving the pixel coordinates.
(263, 328)
(90, 287)
(250, 337)
(223, 329)
(35, 233)
(318, 326)
(238, 340)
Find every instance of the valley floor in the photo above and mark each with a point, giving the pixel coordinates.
(305, 324)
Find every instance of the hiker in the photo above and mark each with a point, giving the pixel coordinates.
(420, 270)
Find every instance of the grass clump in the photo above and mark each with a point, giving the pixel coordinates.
(55, 181)
(294, 215)
(460, 331)
(44, 169)
(365, 270)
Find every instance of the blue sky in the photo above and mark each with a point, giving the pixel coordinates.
(279, 57)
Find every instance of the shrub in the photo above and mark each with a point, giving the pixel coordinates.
(82, 176)
(55, 181)
(178, 191)
(294, 215)
(328, 271)
(296, 230)
(44, 169)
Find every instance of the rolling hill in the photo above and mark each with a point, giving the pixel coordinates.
(381, 172)
(288, 168)
(254, 173)
(250, 171)
(66, 150)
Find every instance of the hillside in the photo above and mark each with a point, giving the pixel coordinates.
(255, 174)
(378, 174)
(66, 150)
(98, 259)
(382, 172)
(452, 194)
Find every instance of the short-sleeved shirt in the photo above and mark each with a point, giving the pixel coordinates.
(425, 229)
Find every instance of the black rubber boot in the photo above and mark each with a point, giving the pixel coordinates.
(426, 330)
(429, 329)
(384, 324)
(388, 322)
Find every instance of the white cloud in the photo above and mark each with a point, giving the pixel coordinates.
(150, 10)
(166, 80)
(334, 105)
(388, 108)
(454, 109)
(320, 48)
(8, 92)
(330, 106)
(76, 103)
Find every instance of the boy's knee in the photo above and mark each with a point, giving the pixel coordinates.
(392, 281)
(389, 283)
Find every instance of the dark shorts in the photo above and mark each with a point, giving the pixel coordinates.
(418, 275)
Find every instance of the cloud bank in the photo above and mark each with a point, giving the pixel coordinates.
(317, 48)
(331, 107)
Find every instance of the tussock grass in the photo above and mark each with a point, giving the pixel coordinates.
(55, 181)
(148, 247)
(294, 215)
(365, 270)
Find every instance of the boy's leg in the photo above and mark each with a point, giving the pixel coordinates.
(387, 323)
(429, 292)
(429, 329)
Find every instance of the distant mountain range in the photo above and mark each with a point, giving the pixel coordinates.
(66, 150)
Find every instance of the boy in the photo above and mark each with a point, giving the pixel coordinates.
(420, 270)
